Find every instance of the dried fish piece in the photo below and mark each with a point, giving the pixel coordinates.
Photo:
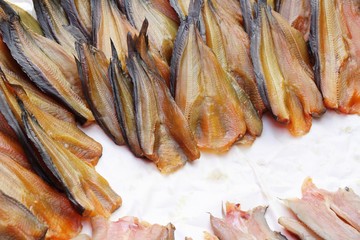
(17, 222)
(79, 14)
(230, 43)
(93, 67)
(243, 225)
(298, 14)
(55, 24)
(298, 228)
(49, 206)
(283, 71)
(163, 131)
(162, 19)
(335, 43)
(181, 7)
(12, 148)
(87, 190)
(130, 228)
(219, 112)
(46, 63)
(123, 89)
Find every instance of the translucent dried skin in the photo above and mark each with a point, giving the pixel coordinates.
(163, 131)
(55, 23)
(298, 14)
(335, 43)
(123, 89)
(17, 222)
(93, 68)
(283, 72)
(48, 205)
(210, 99)
(162, 20)
(79, 14)
(230, 43)
(47, 64)
(88, 191)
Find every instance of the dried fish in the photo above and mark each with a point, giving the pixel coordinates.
(163, 21)
(49, 206)
(283, 71)
(298, 228)
(163, 131)
(79, 14)
(17, 222)
(219, 112)
(123, 89)
(55, 24)
(93, 67)
(298, 14)
(46, 63)
(181, 7)
(12, 148)
(335, 43)
(230, 43)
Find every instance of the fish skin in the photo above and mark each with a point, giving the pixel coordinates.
(298, 228)
(62, 81)
(93, 70)
(48, 205)
(17, 222)
(283, 71)
(168, 143)
(334, 43)
(181, 7)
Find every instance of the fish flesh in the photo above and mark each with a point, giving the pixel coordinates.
(241, 225)
(314, 210)
(10, 147)
(298, 14)
(218, 110)
(298, 228)
(130, 228)
(181, 7)
(335, 43)
(55, 24)
(123, 89)
(93, 70)
(50, 207)
(17, 222)
(46, 63)
(162, 19)
(231, 44)
(166, 142)
(283, 71)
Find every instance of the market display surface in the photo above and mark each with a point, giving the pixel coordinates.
(218, 166)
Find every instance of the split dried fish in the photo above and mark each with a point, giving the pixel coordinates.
(46, 63)
(298, 228)
(181, 7)
(79, 14)
(298, 14)
(93, 67)
(162, 19)
(55, 24)
(17, 222)
(283, 71)
(335, 42)
(241, 225)
(123, 90)
(163, 131)
(49, 206)
(231, 44)
(219, 112)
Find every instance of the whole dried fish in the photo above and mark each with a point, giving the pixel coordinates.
(49, 206)
(123, 90)
(335, 42)
(163, 131)
(230, 43)
(79, 14)
(298, 14)
(283, 71)
(17, 222)
(219, 112)
(55, 23)
(162, 19)
(93, 67)
(46, 63)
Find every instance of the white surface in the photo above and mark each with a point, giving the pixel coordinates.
(272, 169)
